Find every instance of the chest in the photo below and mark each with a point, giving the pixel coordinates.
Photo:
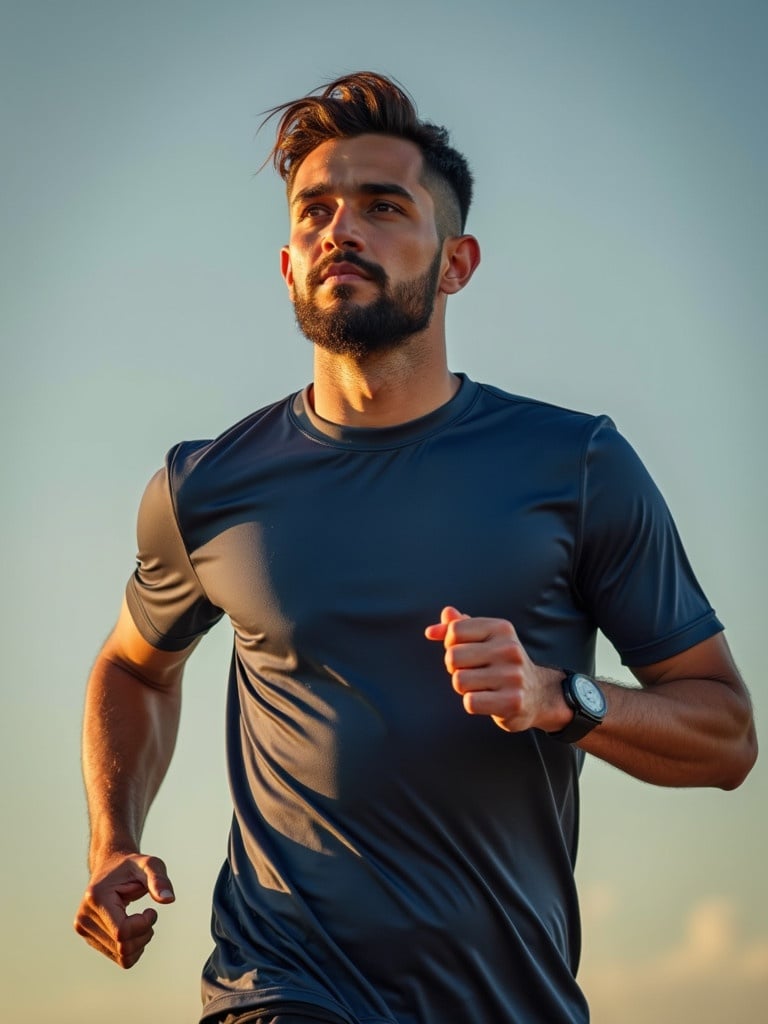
(302, 547)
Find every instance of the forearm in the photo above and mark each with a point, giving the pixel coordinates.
(129, 734)
(689, 725)
(683, 732)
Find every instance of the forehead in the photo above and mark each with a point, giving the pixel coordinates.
(346, 163)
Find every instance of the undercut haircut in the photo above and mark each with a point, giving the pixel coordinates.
(368, 103)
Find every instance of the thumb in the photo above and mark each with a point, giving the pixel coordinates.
(451, 614)
(158, 882)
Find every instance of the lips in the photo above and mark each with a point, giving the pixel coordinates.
(341, 272)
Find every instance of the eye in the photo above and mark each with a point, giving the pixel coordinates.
(313, 211)
(385, 206)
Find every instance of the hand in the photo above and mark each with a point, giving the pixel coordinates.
(492, 672)
(102, 918)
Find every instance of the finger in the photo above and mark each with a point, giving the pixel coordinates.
(128, 941)
(104, 919)
(148, 876)
(90, 929)
(97, 943)
(136, 931)
(503, 706)
(451, 614)
(108, 943)
(480, 630)
(493, 677)
(128, 952)
(129, 944)
(467, 656)
(438, 630)
(435, 632)
(103, 911)
(508, 656)
(475, 680)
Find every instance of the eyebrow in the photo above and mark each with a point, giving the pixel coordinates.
(366, 188)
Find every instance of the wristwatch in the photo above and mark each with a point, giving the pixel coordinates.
(587, 700)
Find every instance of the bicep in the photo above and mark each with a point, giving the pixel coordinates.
(710, 659)
(128, 649)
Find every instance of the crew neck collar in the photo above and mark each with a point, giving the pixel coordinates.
(368, 438)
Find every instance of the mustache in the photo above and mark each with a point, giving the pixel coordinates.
(373, 271)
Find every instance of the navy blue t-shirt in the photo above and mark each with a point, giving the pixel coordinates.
(393, 859)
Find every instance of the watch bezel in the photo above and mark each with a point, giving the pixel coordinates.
(584, 719)
(579, 704)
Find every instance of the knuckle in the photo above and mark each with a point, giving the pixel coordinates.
(81, 923)
(454, 631)
(93, 896)
(512, 676)
(512, 704)
(513, 652)
(124, 957)
(128, 953)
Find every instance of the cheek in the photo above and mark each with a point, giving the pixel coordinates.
(299, 263)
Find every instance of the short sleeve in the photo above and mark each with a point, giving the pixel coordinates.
(632, 572)
(164, 595)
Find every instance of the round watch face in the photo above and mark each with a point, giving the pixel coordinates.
(589, 695)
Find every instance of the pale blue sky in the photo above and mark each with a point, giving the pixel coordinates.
(621, 158)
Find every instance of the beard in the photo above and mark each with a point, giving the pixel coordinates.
(382, 325)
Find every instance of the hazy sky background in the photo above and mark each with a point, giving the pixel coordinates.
(621, 159)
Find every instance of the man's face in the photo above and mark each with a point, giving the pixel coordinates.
(364, 259)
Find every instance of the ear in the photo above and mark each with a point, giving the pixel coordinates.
(463, 255)
(285, 269)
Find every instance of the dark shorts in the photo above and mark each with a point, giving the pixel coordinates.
(283, 1013)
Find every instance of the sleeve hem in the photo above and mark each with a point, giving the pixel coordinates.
(694, 633)
(154, 638)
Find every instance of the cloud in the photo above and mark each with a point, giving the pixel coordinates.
(712, 971)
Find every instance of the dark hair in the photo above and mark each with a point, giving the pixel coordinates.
(364, 103)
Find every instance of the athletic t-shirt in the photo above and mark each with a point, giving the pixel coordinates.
(392, 859)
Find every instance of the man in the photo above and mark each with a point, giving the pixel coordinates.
(415, 566)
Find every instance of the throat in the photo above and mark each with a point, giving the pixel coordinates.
(372, 394)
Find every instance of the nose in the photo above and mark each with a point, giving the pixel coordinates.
(343, 231)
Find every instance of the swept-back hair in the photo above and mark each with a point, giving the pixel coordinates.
(363, 103)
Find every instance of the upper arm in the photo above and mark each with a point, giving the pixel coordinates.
(632, 572)
(165, 596)
(710, 659)
(704, 684)
(128, 649)
(705, 675)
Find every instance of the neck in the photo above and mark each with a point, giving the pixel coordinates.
(382, 390)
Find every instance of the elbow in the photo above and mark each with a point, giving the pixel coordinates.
(742, 761)
(742, 752)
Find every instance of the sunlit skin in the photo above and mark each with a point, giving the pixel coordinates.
(366, 196)
(689, 725)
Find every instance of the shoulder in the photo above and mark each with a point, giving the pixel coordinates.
(189, 461)
(553, 426)
(537, 409)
